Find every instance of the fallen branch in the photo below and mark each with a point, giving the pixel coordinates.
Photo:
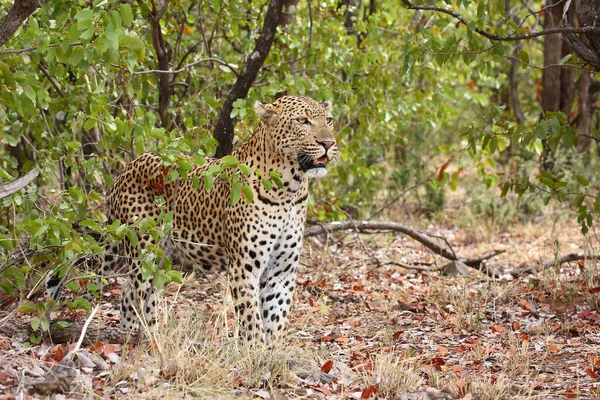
(71, 334)
(551, 263)
(420, 236)
(9, 188)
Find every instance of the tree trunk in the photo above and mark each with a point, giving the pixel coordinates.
(18, 13)
(584, 119)
(551, 76)
(224, 129)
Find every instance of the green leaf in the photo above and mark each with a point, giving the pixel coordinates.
(248, 193)
(29, 92)
(81, 303)
(229, 161)
(35, 323)
(88, 33)
(84, 15)
(245, 169)
(276, 178)
(63, 324)
(208, 183)
(236, 192)
(73, 286)
(266, 183)
(126, 14)
(45, 324)
(583, 180)
(7, 242)
(175, 276)
(27, 307)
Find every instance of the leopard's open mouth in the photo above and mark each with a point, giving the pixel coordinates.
(308, 163)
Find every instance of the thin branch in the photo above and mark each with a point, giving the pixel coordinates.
(52, 81)
(29, 49)
(18, 184)
(551, 263)
(83, 331)
(511, 37)
(187, 66)
(406, 266)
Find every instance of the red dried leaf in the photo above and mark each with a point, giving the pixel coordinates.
(327, 339)
(160, 183)
(437, 362)
(440, 176)
(553, 348)
(524, 304)
(327, 366)
(366, 393)
(442, 350)
(397, 335)
(516, 326)
(571, 395)
(311, 302)
(58, 353)
(109, 348)
(591, 373)
(595, 289)
(497, 328)
(97, 347)
(342, 340)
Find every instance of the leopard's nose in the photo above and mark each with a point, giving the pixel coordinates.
(327, 144)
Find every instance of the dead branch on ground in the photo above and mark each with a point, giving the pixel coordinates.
(71, 334)
(420, 236)
(530, 269)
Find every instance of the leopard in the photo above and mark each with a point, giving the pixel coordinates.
(258, 243)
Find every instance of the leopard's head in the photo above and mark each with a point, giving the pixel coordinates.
(301, 128)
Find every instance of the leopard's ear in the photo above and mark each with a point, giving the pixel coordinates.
(328, 105)
(265, 111)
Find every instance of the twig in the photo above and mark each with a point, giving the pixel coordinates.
(406, 266)
(52, 81)
(187, 66)
(29, 49)
(83, 331)
(511, 37)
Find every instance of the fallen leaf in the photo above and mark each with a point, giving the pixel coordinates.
(327, 366)
(497, 328)
(442, 350)
(553, 348)
(524, 304)
(591, 373)
(366, 393)
(516, 326)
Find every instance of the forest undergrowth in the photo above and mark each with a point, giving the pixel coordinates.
(362, 328)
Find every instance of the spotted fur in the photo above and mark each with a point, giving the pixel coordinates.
(259, 243)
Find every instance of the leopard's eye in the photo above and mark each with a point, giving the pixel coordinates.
(330, 120)
(304, 121)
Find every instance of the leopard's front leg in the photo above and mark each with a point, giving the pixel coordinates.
(245, 272)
